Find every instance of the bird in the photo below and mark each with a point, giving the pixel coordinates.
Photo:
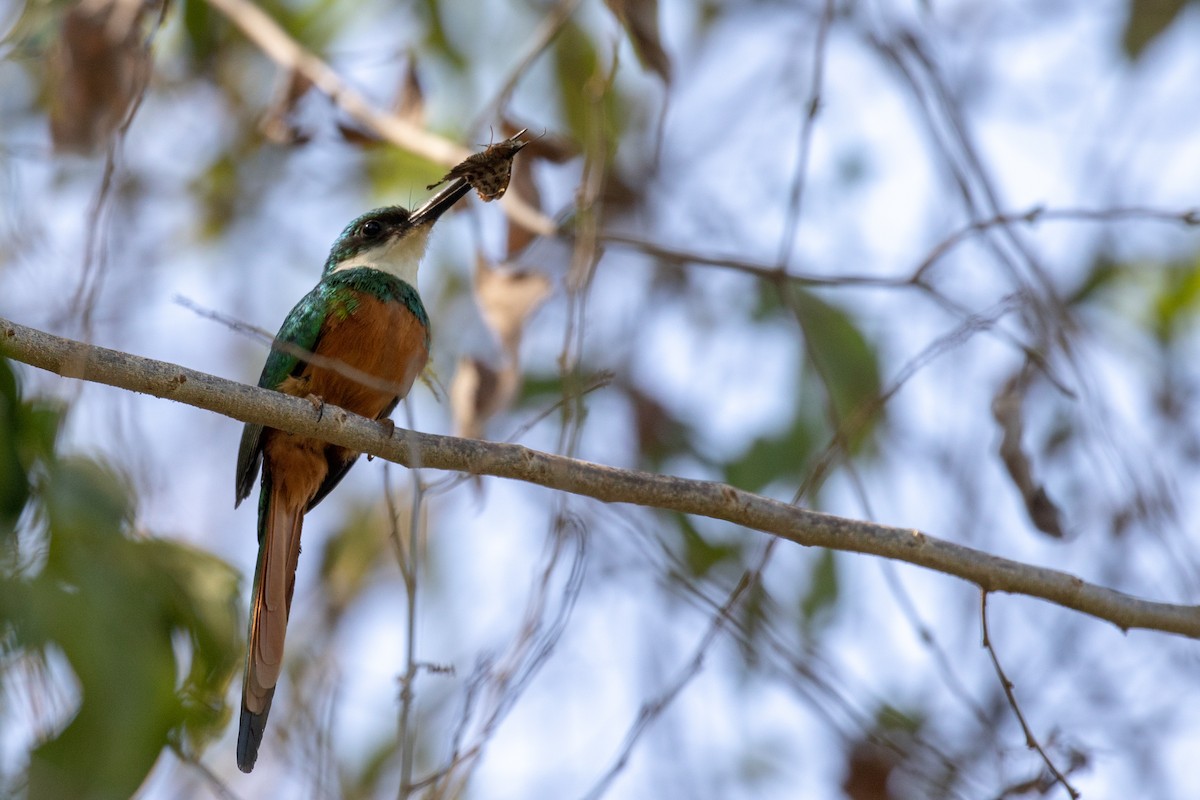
(358, 340)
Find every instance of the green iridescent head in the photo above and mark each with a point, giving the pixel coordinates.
(391, 238)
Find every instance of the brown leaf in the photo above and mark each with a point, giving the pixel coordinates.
(556, 149)
(410, 100)
(276, 123)
(520, 237)
(507, 298)
(478, 392)
(640, 20)
(97, 68)
(868, 769)
(1006, 409)
(355, 135)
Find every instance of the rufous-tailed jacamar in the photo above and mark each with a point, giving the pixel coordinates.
(364, 316)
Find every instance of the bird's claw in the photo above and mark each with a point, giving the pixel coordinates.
(318, 403)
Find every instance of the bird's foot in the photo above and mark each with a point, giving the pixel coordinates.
(318, 403)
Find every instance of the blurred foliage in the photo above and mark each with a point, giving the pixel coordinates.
(700, 555)
(79, 583)
(1162, 299)
(846, 362)
(1147, 20)
(82, 587)
(820, 599)
(351, 556)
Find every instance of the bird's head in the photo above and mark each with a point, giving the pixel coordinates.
(392, 239)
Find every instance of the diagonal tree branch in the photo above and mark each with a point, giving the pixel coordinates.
(276, 44)
(990, 573)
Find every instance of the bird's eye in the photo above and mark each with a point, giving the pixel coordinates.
(371, 229)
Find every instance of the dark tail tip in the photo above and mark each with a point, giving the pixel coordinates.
(250, 734)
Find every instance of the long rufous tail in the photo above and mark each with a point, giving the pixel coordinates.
(274, 580)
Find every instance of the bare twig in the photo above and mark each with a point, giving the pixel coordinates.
(554, 21)
(804, 146)
(536, 639)
(652, 709)
(1033, 216)
(1030, 740)
(214, 781)
(408, 740)
(705, 498)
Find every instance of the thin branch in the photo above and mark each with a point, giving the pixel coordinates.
(652, 709)
(407, 731)
(1030, 740)
(1037, 214)
(553, 23)
(804, 147)
(705, 498)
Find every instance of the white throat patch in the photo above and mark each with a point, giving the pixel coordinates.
(399, 257)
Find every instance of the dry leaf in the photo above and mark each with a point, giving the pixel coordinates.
(507, 298)
(98, 66)
(276, 123)
(355, 135)
(520, 237)
(1006, 409)
(640, 20)
(478, 392)
(556, 149)
(410, 100)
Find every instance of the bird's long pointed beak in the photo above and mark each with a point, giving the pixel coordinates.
(440, 203)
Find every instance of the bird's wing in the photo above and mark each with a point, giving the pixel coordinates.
(301, 328)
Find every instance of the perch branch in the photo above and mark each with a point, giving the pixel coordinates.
(989, 572)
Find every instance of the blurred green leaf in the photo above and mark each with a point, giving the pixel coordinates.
(398, 175)
(314, 24)
(700, 555)
(591, 108)
(218, 190)
(436, 38)
(576, 62)
(847, 362)
(752, 614)
(819, 602)
(889, 718)
(1178, 300)
(115, 607)
(768, 305)
(772, 458)
(1162, 299)
(28, 431)
(1103, 274)
(351, 556)
(536, 388)
(203, 29)
(14, 482)
(206, 591)
(1147, 20)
